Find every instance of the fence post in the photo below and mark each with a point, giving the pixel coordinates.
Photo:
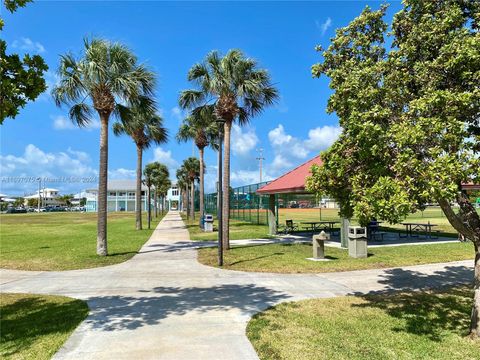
(272, 220)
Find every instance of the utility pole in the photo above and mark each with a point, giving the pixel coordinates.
(39, 186)
(260, 159)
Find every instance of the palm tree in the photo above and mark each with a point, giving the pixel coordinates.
(145, 128)
(161, 181)
(239, 91)
(183, 183)
(200, 126)
(192, 170)
(104, 79)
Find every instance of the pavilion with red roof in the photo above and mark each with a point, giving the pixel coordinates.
(291, 182)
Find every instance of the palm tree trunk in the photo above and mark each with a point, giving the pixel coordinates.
(155, 198)
(202, 200)
(226, 186)
(187, 202)
(192, 200)
(138, 193)
(102, 187)
(149, 207)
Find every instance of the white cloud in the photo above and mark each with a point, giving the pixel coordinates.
(323, 137)
(122, 173)
(164, 157)
(28, 45)
(243, 141)
(290, 151)
(323, 27)
(285, 144)
(60, 122)
(177, 113)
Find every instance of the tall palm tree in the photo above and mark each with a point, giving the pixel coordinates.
(200, 126)
(239, 91)
(105, 78)
(145, 128)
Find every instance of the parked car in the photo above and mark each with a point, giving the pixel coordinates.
(16, 210)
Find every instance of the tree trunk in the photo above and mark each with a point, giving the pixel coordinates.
(192, 200)
(155, 201)
(467, 223)
(149, 208)
(226, 186)
(102, 187)
(202, 194)
(187, 202)
(138, 193)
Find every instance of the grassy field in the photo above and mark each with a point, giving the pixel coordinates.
(36, 326)
(63, 241)
(291, 258)
(429, 325)
(238, 230)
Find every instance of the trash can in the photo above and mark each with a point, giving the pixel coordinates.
(208, 223)
(318, 242)
(357, 242)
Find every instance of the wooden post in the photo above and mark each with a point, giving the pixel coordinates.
(272, 220)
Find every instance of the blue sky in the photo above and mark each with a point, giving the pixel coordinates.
(170, 37)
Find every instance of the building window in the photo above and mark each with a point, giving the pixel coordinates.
(175, 192)
(112, 193)
(121, 194)
(131, 194)
(143, 193)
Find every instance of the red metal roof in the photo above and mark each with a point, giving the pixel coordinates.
(293, 181)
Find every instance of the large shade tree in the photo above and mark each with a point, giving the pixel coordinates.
(145, 128)
(410, 116)
(106, 79)
(239, 90)
(200, 126)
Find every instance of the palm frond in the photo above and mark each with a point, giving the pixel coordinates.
(81, 114)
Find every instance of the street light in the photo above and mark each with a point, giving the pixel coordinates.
(221, 123)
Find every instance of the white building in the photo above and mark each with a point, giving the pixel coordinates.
(120, 196)
(173, 197)
(47, 197)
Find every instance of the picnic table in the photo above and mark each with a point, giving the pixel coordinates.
(412, 229)
(315, 225)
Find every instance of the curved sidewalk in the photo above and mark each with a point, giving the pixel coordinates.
(163, 304)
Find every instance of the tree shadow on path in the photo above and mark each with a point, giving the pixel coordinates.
(111, 313)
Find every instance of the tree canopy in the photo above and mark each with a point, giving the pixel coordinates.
(21, 78)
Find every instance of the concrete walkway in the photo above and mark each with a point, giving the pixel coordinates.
(163, 304)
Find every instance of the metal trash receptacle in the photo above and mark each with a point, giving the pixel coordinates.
(357, 242)
(208, 223)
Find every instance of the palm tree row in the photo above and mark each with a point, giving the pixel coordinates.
(227, 89)
(156, 175)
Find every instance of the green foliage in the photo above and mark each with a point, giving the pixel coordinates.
(157, 174)
(19, 201)
(106, 77)
(21, 78)
(32, 202)
(410, 112)
(233, 84)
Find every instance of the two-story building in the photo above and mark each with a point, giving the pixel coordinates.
(47, 197)
(120, 196)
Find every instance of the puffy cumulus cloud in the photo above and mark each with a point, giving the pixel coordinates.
(290, 151)
(243, 141)
(287, 145)
(245, 177)
(28, 44)
(35, 162)
(323, 137)
(164, 157)
(60, 122)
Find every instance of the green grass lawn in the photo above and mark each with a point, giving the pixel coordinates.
(238, 230)
(428, 325)
(64, 241)
(291, 258)
(36, 326)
